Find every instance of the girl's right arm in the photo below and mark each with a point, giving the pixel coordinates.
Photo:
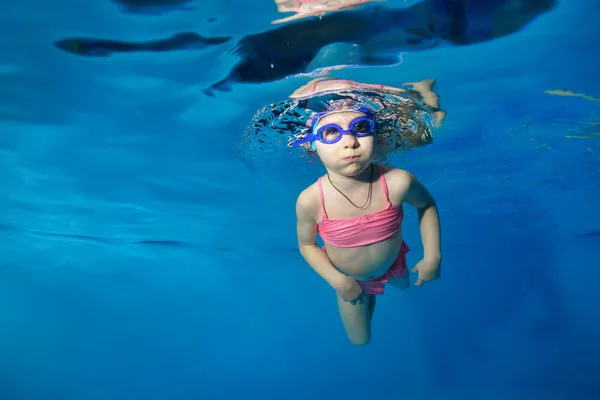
(306, 228)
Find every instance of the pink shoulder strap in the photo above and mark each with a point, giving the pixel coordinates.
(383, 183)
(320, 186)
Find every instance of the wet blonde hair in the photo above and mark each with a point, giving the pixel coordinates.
(404, 120)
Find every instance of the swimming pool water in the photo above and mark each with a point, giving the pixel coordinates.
(143, 256)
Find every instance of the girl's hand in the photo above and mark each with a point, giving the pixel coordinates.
(428, 270)
(351, 292)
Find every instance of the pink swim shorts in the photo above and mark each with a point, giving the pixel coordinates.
(398, 269)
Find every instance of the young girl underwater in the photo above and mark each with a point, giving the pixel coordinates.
(357, 209)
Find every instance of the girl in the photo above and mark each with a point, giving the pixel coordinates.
(356, 208)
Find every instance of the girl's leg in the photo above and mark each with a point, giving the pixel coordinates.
(357, 319)
(400, 282)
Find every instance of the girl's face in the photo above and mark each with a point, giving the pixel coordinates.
(350, 155)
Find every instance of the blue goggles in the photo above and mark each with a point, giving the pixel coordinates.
(332, 133)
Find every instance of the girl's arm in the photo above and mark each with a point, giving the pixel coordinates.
(429, 221)
(306, 228)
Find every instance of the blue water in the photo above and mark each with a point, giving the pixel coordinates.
(143, 256)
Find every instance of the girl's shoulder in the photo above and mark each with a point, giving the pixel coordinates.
(308, 200)
(396, 174)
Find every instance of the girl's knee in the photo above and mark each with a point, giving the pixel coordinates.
(400, 283)
(362, 340)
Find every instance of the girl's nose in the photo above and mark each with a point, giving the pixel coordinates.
(350, 141)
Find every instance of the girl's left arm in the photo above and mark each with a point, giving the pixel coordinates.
(429, 221)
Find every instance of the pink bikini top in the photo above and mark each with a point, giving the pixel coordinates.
(363, 230)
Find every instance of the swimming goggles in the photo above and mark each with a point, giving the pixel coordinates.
(332, 133)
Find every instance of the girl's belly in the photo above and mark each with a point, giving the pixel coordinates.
(366, 262)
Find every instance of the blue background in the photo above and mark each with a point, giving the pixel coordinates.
(144, 257)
